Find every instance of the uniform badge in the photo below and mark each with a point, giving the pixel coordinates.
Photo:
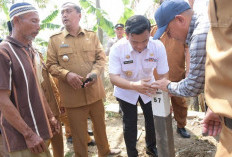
(128, 73)
(64, 45)
(65, 58)
(151, 54)
(127, 56)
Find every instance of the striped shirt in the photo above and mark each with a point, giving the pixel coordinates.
(193, 84)
(17, 75)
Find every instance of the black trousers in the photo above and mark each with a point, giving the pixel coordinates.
(130, 125)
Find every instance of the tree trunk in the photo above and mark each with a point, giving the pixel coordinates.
(100, 32)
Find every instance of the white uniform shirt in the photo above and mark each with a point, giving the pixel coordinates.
(134, 66)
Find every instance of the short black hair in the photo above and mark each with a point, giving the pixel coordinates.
(137, 24)
(76, 7)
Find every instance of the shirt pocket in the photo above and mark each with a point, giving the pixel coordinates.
(128, 70)
(89, 55)
(66, 57)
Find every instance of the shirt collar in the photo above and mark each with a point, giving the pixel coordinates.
(147, 48)
(81, 31)
(16, 42)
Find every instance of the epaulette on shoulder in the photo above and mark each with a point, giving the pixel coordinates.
(88, 30)
(57, 33)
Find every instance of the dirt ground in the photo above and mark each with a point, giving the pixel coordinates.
(196, 146)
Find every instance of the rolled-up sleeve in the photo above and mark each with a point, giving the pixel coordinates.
(114, 61)
(5, 72)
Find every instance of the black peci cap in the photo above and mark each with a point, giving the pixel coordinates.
(119, 25)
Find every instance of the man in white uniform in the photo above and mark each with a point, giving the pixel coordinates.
(131, 64)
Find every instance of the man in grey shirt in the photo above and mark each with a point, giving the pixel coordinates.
(177, 19)
(119, 31)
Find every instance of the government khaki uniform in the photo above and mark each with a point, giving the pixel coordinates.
(82, 54)
(52, 96)
(218, 78)
(176, 61)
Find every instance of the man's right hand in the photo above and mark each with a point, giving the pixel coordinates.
(143, 86)
(35, 143)
(74, 80)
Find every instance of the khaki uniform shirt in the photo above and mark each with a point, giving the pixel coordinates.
(50, 90)
(218, 77)
(82, 55)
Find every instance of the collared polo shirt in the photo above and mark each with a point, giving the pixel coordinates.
(134, 66)
(17, 75)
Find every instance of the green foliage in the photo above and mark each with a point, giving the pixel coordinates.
(51, 17)
(41, 3)
(3, 6)
(49, 26)
(41, 42)
(126, 2)
(95, 28)
(157, 1)
(46, 24)
(152, 21)
(102, 21)
(127, 14)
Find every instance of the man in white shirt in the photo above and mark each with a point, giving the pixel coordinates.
(131, 64)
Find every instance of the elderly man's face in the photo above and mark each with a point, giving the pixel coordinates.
(29, 25)
(70, 16)
(177, 30)
(139, 41)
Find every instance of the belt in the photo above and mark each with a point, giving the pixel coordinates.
(228, 122)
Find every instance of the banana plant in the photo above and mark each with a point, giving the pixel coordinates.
(46, 23)
(128, 12)
(100, 14)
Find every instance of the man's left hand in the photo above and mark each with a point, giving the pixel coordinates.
(161, 84)
(55, 125)
(93, 76)
(211, 123)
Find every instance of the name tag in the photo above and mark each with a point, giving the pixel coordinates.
(64, 45)
(128, 62)
(150, 60)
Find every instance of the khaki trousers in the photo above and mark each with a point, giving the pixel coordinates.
(180, 109)
(78, 123)
(224, 148)
(65, 121)
(57, 143)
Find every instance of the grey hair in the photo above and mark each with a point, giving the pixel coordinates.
(76, 7)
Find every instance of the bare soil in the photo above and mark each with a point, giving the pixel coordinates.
(196, 146)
